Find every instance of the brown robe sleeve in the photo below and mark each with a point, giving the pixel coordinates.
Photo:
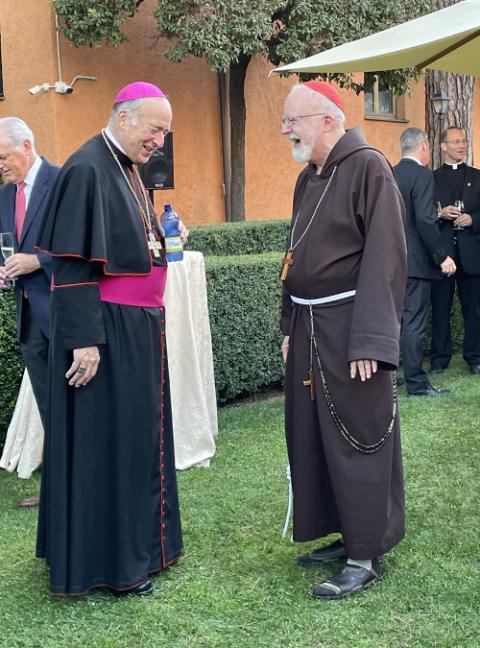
(286, 311)
(375, 329)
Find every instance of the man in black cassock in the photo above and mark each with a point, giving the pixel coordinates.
(109, 513)
(460, 229)
(344, 276)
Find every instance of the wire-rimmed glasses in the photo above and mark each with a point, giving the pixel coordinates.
(291, 121)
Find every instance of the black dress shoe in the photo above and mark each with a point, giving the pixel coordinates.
(350, 580)
(29, 502)
(437, 370)
(330, 553)
(429, 391)
(144, 589)
(474, 369)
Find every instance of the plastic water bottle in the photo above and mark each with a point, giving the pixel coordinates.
(171, 227)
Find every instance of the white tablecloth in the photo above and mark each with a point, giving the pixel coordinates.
(24, 443)
(192, 383)
(190, 362)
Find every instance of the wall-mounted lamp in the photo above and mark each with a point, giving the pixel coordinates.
(441, 102)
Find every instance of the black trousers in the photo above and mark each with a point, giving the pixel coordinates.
(442, 300)
(34, 347)
(414, 327)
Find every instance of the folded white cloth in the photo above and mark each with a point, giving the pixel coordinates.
(24, 443)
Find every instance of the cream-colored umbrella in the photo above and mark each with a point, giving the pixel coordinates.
(448, 40)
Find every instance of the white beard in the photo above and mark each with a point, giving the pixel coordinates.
(301, 153)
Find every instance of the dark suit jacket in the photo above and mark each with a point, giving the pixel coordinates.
(425, 247)
(37, 284)
(468, 239)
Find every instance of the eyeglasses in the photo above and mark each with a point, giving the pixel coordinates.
(291, 121)
(456, 142)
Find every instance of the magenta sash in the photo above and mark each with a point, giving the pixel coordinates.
(135, 291)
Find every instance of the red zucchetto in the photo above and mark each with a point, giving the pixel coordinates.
(327, 90)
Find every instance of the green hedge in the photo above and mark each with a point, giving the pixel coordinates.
(11, 366)
(244, 305)
(248, 237)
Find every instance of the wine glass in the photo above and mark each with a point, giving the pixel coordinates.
(6, 246)
(459, 205)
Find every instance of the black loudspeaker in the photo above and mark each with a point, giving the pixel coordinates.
(157, 173)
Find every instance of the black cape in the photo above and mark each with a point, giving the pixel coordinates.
(109, 512)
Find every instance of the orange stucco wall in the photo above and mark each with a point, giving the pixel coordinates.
(61, 123)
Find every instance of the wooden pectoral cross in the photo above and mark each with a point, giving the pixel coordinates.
(287, 261)
(154, 245)
(310, 383)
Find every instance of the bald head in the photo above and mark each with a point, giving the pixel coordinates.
(319, 101)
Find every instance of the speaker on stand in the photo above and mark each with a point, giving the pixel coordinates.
(157, 173)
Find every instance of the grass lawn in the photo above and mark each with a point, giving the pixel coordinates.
(238, 584)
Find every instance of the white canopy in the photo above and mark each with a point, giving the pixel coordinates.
(447, 40)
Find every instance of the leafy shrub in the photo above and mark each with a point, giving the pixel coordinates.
(11, 366)
(244, 305)
(248, 237)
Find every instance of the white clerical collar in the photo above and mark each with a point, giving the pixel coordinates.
(410, 157)
(32, 172)
(454, 166)
(114, 140)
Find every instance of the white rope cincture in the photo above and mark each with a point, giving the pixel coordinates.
(290, 502)
(323, 300)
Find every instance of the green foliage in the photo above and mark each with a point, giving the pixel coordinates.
(244, 306)
(92, 22)
(309, 27)
(247, 237)
(222, 30)
(218, 31)
(11, 366)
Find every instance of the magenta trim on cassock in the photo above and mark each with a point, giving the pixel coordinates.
(144, 291)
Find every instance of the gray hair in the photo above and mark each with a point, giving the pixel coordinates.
(130, 107)
(411, 139)
(332, 108)
(16, 131)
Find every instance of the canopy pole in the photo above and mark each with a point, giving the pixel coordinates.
(452, 48)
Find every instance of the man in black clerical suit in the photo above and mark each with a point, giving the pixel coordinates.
(460, 229)
(427, 258)
(29, 180)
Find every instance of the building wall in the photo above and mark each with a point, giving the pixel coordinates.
(270, 171)
(62, 123)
